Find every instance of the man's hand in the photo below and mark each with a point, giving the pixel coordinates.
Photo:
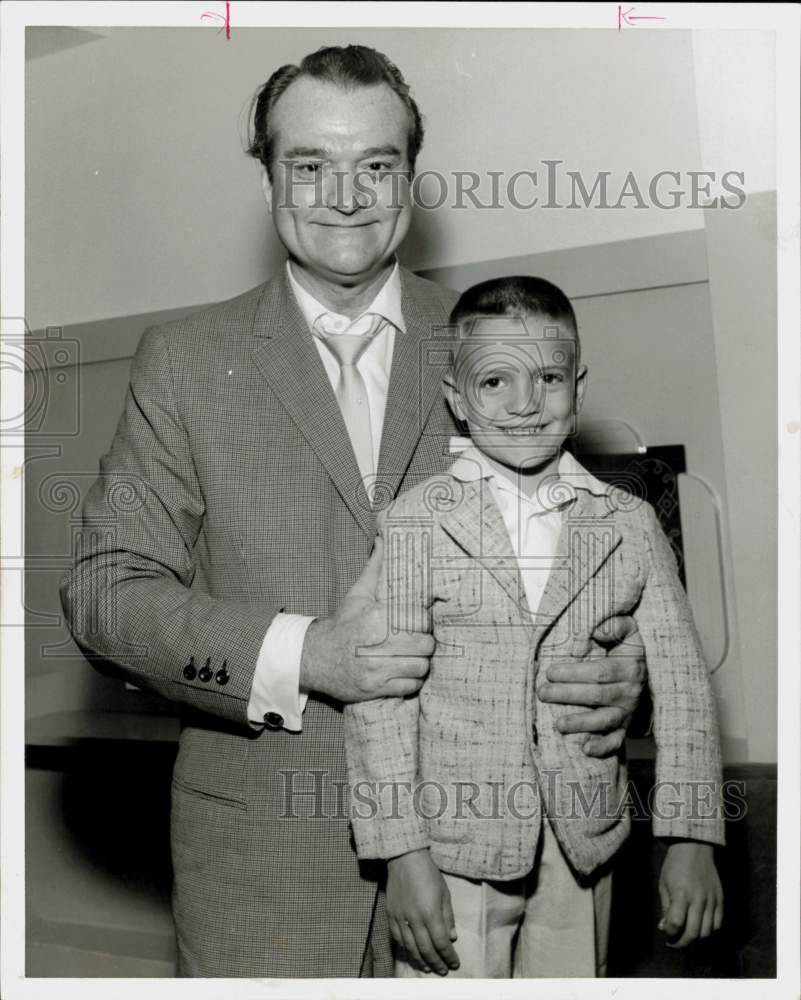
(419, 911)
(691, 894)
(351, 657)
(609, 685)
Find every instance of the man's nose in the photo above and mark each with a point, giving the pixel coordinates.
(345, 191)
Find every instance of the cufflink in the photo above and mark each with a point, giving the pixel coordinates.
(189, 670)
(272, 720)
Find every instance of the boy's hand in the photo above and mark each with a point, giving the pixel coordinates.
(691, 894)
(420, 914)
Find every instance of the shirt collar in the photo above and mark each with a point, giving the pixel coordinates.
(471, 465)
(387, 303)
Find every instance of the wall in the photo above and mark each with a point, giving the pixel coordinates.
(137, 181)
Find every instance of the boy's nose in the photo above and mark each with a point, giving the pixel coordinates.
(526, 399)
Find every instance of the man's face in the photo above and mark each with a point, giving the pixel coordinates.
(518, 387)
(338, 197)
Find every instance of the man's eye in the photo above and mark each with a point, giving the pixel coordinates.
(378, 166)
(308, 169)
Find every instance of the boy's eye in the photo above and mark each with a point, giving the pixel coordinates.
(552, 378)
(493, 382)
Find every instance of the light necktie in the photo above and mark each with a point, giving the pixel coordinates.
(347, 346)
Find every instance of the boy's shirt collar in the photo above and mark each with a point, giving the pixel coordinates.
(387, 303)
(471, 465)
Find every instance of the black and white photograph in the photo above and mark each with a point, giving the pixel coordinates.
(400, 499)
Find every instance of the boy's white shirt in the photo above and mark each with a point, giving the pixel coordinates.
(533, 523)
(276, 681)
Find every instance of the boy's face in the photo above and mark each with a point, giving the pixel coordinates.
(518, 386)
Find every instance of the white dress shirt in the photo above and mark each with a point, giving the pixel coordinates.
(276, 683)
(533, 523)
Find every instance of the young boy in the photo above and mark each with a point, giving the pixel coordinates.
(497, 829)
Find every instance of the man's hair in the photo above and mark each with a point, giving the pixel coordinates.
(348, 67)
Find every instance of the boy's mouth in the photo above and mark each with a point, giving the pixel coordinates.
(522, 431)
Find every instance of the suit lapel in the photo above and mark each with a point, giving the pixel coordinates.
(414, 386)
(587, 539)
(286, 356)
(476, 525)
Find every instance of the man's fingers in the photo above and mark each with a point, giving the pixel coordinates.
(717, 921)
(596, 670)
(604, 746)
(599, 720)
(400, 687)
(367, 583)
(618, 629)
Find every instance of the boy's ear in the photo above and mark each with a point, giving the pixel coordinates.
(452, 395)
(581, 386)
(267, 188)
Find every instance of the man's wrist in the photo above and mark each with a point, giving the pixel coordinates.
(309, 656)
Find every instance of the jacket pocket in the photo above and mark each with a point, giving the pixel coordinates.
(206, 796)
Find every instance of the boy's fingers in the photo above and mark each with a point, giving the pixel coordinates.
(673, 920)
(428, 951)
(692, 926)
(717, 921)
(441, 939)
(413, 956)
(447, 912)
(706, 920)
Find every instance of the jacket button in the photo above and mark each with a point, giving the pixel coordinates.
(272, 720)
(222, 676)
(205, 673)
(189, 670)
(534, 733)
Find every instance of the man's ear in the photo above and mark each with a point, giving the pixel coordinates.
(452, 395)
(581, 386)
(267, 188)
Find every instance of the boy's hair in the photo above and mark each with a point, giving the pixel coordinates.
(516, 295)
(346, 66)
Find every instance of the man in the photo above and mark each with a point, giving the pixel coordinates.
(224, 561)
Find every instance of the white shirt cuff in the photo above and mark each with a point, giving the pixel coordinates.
(276, 700)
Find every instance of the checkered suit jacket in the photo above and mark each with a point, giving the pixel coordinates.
(230, 493)
(475, 759)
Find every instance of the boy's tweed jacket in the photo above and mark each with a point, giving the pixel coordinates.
(476, 756)
(231, 492)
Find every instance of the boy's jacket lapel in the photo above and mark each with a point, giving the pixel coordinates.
(588, 537)
(476, 525)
